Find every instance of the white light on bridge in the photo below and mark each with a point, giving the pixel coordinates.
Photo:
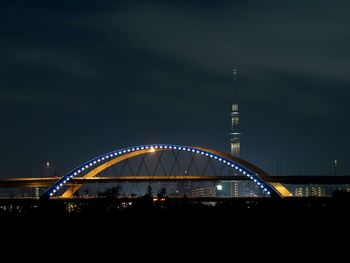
(219, 187)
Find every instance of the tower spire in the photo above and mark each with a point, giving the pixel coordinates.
(234, 75)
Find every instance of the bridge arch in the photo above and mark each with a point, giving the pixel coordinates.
(96, 165)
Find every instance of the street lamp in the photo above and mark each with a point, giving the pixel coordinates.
(48, 169)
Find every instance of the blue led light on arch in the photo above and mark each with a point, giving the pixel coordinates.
(120, 152)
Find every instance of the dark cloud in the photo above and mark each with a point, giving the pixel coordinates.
(84, 77)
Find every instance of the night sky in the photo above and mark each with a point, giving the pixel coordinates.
(80, 78)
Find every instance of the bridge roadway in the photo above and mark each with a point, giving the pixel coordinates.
(294, 179)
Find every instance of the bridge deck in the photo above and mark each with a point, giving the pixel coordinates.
(45, 182)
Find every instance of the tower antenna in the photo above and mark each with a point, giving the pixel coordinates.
(234, 75)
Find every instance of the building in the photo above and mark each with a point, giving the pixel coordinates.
(309, 190)
(37, 192)
(207, 191)
(245, 189)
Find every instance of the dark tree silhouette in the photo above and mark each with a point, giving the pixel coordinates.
(149, 191)
(162, 193)
(112, 192)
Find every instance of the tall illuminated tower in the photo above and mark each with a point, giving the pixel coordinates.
(235, 141)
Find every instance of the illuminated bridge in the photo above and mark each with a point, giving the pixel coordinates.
(166, 163)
